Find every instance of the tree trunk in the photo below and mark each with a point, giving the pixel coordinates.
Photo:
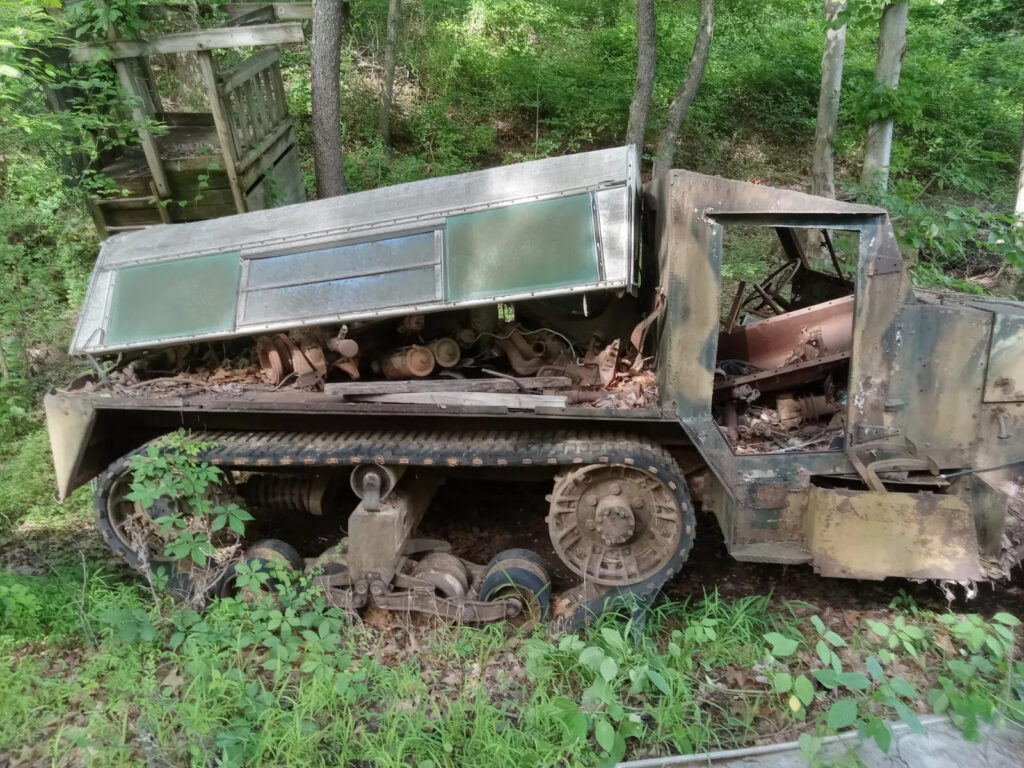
(1019, 208)
(892, 46)
(646, 66)
(823, 177)
(684, 96)
(390, 55)
(325, 84)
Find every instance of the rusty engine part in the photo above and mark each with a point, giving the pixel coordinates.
(614, 525)
(794, 410)
(407, 363)
(280, 358)
(446, 352)
(412, 324)
(546, 353)
(348, 352)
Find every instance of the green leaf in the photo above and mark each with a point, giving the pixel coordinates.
(638, 678)
(681, 740)
(827, 677)
(1008, 619)
(613, 638)
(874, 669)
(824, 652)
(810, 746)
(908, 716)
(902, 688)
(880, 629)
(938, 700)
(995, 646)
(659, 681)
(855, 681)
(783, 682)
(878, 730)
(914, 633)
(782, 646)
(609, 669)
(819, 625)
(605, 735)
(804, 690)
(591, 657)
(842, 714)
(835, 640)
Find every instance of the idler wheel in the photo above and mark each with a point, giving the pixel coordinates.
(521, 574)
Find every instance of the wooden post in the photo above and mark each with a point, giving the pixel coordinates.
(139, 115)
(223, 123)
(149, 145)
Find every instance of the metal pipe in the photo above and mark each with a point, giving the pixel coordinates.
(706, 758)
(948, 475)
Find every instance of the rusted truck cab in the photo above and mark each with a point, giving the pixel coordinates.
(922, 483)
(558, 322)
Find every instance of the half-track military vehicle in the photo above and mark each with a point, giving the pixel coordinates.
(557, 324)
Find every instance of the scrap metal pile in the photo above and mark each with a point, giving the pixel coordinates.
(780, 383)
(451, 358)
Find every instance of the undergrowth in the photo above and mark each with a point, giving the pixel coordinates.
(100, 673)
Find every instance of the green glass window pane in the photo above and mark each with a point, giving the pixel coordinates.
(174, 298)
(528, 247)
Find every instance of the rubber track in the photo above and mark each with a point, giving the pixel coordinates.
(253, 451)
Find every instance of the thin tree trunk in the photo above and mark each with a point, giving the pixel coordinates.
(1019, 208)
(390, 55)
(684, 96)
(646, 66)
(325, 84)
(823, 176)
(892, 46)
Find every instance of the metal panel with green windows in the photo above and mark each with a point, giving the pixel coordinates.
(174, 299)
(521, 248)
(547, 227)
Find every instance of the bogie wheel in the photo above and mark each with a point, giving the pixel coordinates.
(523, 575)
(266, 556)
(615, 524)
(445, 572)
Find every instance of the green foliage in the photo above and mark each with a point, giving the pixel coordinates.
(971, 680)
(169, 471)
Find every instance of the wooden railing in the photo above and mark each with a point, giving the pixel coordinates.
(253, 99)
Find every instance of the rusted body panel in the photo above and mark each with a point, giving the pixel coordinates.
(768, 343)
(869, 535)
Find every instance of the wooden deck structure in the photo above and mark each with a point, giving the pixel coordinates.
(238, 157)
